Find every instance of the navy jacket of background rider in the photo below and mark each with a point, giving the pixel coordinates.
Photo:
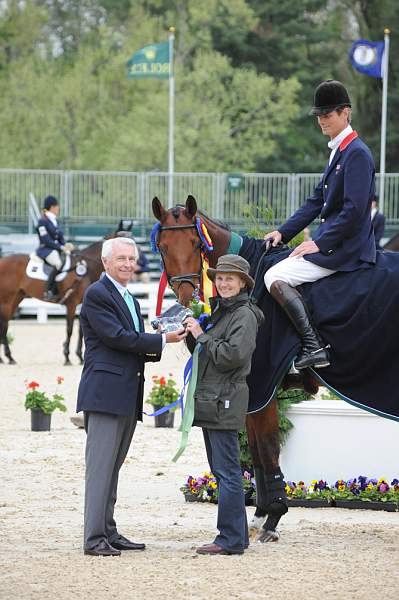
(342, 199)
(378, 223)
(51, 237)
(113, 373)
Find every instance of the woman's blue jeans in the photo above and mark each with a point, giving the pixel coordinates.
(223, 453)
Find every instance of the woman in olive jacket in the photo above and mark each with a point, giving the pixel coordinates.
(221, 395)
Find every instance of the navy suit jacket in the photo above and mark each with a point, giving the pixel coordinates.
(113, 373)
(379, 226)
(51, 237)
(342, 199)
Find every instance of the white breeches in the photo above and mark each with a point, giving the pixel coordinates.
(54, 259)
(294, 271)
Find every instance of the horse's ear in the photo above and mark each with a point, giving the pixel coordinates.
(158, 209)
(191, 206)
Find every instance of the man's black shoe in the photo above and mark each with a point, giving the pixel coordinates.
(103, 548)
(122, 543)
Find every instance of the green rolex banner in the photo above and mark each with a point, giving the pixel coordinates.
(150, 61)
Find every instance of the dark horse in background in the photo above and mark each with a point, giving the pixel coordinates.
(15, 285)
(357, 313)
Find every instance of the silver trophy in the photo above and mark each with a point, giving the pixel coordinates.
(172, 319)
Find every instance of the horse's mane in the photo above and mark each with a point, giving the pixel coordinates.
(215, 221)
(176, 211)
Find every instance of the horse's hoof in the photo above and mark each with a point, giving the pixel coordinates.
(254, 526)
(11, 361)
(67, 363)
(253, 533)
(268, 536)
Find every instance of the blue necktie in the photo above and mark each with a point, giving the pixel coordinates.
(130, 302)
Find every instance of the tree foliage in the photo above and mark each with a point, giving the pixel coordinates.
(245, 75)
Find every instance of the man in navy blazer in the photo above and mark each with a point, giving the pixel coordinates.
(111, 389)
(344, 240)
(378, 222)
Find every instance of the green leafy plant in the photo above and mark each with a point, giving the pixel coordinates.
(37, 400)
(163, 391)
(327, 394)
(261, 220)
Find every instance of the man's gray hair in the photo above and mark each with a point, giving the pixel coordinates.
(108, 245)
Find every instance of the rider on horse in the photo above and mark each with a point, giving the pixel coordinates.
(52, 243)
(344, 240)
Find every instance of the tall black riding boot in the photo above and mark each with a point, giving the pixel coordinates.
(314, 351)
(51, 291)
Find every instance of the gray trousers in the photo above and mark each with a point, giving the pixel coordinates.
(108, 441)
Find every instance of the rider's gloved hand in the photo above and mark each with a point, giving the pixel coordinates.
(67, 248)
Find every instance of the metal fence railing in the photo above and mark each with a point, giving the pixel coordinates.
(93, 197)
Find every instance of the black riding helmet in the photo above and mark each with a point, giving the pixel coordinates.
(49, 201)
(329, 96)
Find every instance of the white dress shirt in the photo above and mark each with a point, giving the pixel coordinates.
(51, 217)
(335, 142)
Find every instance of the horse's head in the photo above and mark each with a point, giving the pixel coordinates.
(180, 247)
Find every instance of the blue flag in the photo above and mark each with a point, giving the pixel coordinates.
(367, 57)
(150, 61)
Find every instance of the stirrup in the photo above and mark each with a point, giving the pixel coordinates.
(316, 365)
(49, 296)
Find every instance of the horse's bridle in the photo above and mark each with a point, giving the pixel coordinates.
(186, 277)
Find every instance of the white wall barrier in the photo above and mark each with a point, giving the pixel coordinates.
(146, 294)
(332, 439)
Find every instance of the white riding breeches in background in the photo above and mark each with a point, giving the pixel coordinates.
(294, 271)
(54, 259)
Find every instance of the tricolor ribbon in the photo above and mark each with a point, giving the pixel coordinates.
(204, 235)
(188, 414)
(207, 285)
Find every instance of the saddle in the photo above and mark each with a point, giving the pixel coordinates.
(37, 268)
(355, 312)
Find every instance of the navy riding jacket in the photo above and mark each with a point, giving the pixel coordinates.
(113, 373)
(51, 237)
(342, 200)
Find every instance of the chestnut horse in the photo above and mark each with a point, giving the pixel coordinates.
(15, 285)
(182, 249)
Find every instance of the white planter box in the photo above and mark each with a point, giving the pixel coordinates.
(332, 439)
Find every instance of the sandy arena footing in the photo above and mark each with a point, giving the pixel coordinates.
(322, 553)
